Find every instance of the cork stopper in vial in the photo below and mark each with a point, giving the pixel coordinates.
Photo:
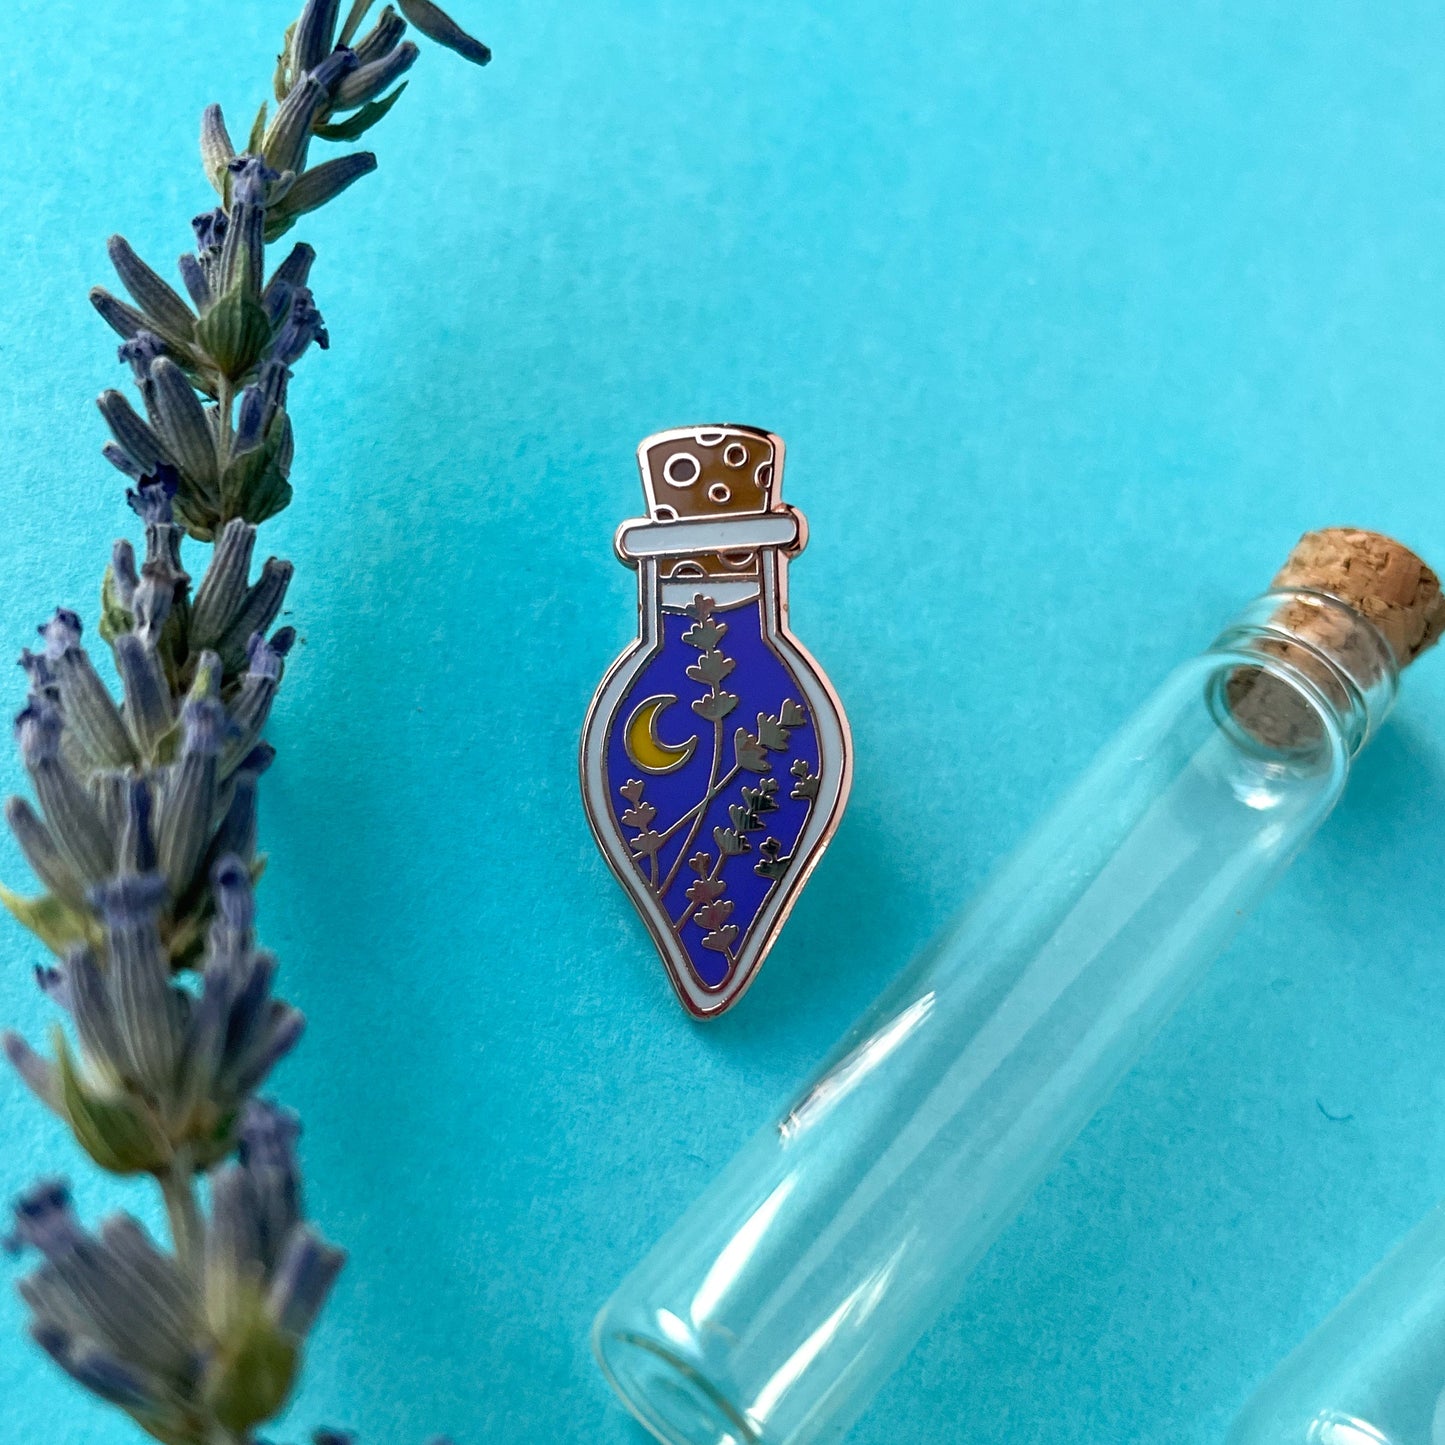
(1376, 579)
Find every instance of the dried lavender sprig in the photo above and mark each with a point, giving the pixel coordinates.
(145, 836)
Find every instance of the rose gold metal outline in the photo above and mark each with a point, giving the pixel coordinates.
(830, 723)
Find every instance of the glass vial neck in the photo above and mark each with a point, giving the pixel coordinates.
(1310, 665)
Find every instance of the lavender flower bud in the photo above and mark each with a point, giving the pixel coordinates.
(188, 803)
(152, 504)
(61, 633)
(142, 349)
(217, 150)
(289, 134)
(45, 1220)
(123, 573)
(251, 421)
(242, 258)
(235, 900)
(160, 586)
(37, 729)
(331, 71)
(257, 612)
(311, 38)
(198, 286)
(134, 436)
(265, 654)
(437, 25)
(251, 706)
(236, 832)
(38, 1076)
(366, 82)
(223, 589)
(171, 316)
(144, 1006)
(206, 724)
(293, 271)
(46, 860)
(54, 985)
(233, 1250)
(280, 1033)
(257, 760)
(38, 675)
(322, 183)
(266, 1147)
(210, 229)
(303, 1279)
(381, 39)
(124, 320)
(119, 460)
(70, 813)
(89, 708)
(95, 1022)
(113, 1311)
(148, 706)
(181, 421)
(259, 404)
(95, 1370)
(251, 179)
(137, 843)
(303, 326)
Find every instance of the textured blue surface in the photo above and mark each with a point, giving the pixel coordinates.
(1073, 317)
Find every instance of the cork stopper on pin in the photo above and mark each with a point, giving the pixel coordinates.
(1376, 578)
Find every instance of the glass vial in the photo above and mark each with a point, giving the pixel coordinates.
(774, 1309)
(1374, 1372)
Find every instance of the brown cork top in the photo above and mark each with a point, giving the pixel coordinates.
(1375, 578)
(1379, 578)
(722, 470)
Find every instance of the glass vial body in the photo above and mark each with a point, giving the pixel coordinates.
(775, 1308)
(1374, 1372)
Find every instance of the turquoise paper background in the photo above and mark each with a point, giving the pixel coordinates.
(1073, 316)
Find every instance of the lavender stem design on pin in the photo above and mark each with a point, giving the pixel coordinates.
(711, 844)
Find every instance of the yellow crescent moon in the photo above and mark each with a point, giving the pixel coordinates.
(641, 740)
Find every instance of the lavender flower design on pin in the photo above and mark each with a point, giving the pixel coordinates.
(706, 907)
(142, 834)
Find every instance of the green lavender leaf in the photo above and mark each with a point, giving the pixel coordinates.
(320, 184)
(115, 618)
(282, 80)
(54, 923)
(254, 485)
(114, 1132)
(355, 126)
(250, 1380)
(234, 333)
(258, 130)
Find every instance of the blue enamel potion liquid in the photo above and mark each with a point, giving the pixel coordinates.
(715, 757)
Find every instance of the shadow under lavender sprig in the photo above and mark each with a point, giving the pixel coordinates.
(143, 830)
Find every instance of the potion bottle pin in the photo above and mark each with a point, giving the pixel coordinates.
(715, 756)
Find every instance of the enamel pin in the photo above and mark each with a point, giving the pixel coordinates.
(715, 757)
